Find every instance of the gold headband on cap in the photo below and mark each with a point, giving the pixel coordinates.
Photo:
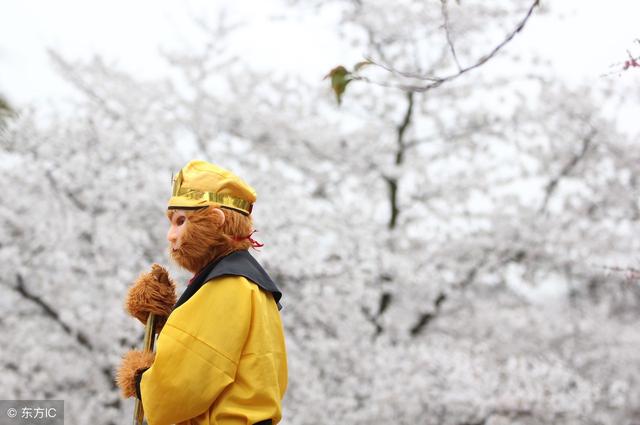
(200, 184)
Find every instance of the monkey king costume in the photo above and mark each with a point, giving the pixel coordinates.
(220, 355)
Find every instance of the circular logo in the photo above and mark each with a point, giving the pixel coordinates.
(12, 413)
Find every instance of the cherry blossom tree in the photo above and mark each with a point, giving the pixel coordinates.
(443, 254)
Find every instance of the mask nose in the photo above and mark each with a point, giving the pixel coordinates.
(172, 235)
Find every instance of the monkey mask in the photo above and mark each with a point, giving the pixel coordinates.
(210, 214)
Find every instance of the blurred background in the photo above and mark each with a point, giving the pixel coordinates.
(456, 240)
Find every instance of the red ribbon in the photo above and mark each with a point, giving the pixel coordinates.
(254, 243)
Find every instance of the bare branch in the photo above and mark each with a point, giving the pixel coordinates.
(447, 31)
(81, 84)
(392, 182)
(435, 81)
(425, 318)
(568, 167)
(79, 336)
(511, 413)
(402, 128)
(68, 193)
(51, 313)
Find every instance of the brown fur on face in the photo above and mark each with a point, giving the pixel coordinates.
(132, 362)
(204, 240)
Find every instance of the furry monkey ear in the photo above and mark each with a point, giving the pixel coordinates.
(218, 216)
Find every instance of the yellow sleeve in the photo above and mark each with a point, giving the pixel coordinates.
(198, 351)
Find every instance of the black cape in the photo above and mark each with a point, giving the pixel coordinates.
(238, 263)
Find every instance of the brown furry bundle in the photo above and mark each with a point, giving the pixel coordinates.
(204, 239)
(153, 292)
(132, 362)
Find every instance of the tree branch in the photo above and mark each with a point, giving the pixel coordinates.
(447, 31)
(68, 193)
(51, 313)
(568, 167)
(85, 87)
(435, 81)
(402, 128)
(392, 182)
(425, 318)
(79, 336)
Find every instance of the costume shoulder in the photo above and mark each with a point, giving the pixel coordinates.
(238, 263)
(198, 352)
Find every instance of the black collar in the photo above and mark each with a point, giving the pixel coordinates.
(238, 263)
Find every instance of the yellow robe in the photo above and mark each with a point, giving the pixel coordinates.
(220, 359)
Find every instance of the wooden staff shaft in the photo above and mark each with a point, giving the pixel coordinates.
(149, 340)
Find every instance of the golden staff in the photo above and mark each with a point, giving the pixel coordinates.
(148, 346)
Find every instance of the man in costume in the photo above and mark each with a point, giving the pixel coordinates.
(220, 356)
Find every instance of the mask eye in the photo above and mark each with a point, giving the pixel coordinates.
(180, 221)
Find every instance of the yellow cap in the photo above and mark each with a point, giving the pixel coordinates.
(200, 184)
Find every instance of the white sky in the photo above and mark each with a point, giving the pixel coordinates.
(592, 35)
(128, 33)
